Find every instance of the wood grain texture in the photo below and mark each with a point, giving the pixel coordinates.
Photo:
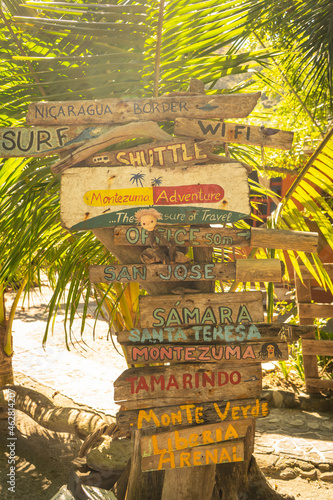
(175, 417)
(217, 237)
(315, 310)
(193, 437)
(241, 270)
(317, 347)
(181, 384)
(171, 153)
(226, 452)
(136, 110)
(234, 353)
(235, 133)
(109, 196)
(319, 384)
(113, 136)
(216, 334)
(43, 141)
(175, 310)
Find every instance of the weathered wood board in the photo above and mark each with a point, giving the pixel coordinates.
(233, 353)
(214, 334)
(133, 110)
(219, 236)
(191, 415)
(180, 384)
(201, 435)
(226, 452)
(110, 196)
(234, 132)
(159, 154)
(43, 141)
(317, 347)
(241, 270)
(315, 310)
(200, 309)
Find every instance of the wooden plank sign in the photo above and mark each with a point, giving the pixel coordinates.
(133, 110)
(241, 270)
(191, 457)
(179, 384)
(191, 415)
(109, 196)
(160, 154)
(43, 141)
(162, 450)
(234, 132)
(220, 236)
(200, 309)
(232, 353)
(213, 334)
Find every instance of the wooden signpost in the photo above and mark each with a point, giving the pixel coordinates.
(167, 153)
(242, 353)
(200, 309)
(220, 236)
(133, 110)
(175, 384)
(191, 415)
(109, 196)
(43, 141)
(241, 270)
(216, 453)
(234, 132)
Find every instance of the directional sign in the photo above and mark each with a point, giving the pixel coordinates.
(133, 110)
(220, 236)
(191, 415)
(147, 387)
(234, 132)
(247, 270)
(110, 196)
(208, 334)
(160, 154)
(43, 141)
(163, 450)
(218, 453)
(171, 311)
(232, 353)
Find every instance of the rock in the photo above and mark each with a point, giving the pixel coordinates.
(305, 466)
(297, 422)
(324, 467)
(268, 367)
(287, 474)
(277, 399)
(110, 455)
(309, 474)
(327, 477)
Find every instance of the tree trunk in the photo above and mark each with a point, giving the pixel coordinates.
(6, 367)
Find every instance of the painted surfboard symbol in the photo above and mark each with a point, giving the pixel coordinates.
(207, 107)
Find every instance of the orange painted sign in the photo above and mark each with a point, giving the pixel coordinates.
(156, 195)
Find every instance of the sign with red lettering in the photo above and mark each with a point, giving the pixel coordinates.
(233, 353)
(179, 384)
(109, 196)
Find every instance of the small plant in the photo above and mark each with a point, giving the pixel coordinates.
(285, 367)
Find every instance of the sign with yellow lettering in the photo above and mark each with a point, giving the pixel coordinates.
(109, 196)
(191, 414)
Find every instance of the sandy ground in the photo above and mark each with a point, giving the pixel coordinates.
(80, 377)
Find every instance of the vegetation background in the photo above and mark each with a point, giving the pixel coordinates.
(91, 50)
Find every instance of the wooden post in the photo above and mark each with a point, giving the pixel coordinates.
(303, 295)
